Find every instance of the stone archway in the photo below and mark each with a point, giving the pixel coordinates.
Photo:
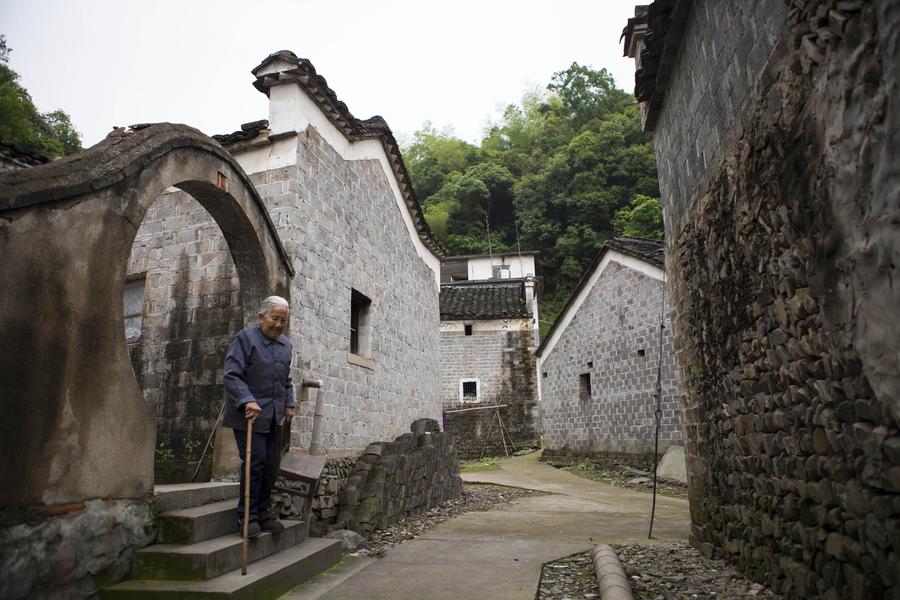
(76, 425)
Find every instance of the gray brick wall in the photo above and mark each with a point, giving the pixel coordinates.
(724, 49)
(504, 365)
(342, 228)
(191, 310)
(619, 318)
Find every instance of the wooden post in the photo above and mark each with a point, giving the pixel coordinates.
(246, 524)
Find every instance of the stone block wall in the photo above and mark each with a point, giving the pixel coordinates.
(782, 272)
(614, 337)
(388, 482)
(343, 229)
(191, 311)
(724, 49)
(498, 354)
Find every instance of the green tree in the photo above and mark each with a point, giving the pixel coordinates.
(560, 172)
(587, 94)
(51, 134)
(641, 218)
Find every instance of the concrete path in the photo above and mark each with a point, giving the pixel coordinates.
(497, 555)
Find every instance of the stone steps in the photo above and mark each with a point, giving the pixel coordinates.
(199, 553)
(176, 496)
(198, 523)
(266, 578)
(210, 558)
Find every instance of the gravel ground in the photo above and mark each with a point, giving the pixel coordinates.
(569, 578)
(678, 571)
(630, 473)
(476, 497)
(660, 572)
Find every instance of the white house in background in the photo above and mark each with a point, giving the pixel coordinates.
(489, 330)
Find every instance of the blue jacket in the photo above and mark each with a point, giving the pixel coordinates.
(257, 368)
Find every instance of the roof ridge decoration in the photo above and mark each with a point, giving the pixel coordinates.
(353, 129)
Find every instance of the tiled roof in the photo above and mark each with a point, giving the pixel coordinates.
(248, 131)
(484, 300)
(315, 86)
(651, 251)
(662, 28)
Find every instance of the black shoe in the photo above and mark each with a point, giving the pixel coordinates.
(273, 525)
(253, 529)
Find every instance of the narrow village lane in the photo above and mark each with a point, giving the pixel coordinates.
(497, 555)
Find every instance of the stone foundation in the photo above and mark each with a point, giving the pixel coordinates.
(70, 551)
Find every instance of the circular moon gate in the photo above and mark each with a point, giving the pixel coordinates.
(77, 426)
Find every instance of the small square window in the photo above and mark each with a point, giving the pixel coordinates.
(584, 387)
(501, 272)
(468, 390)
(360, 306)
(467, 329)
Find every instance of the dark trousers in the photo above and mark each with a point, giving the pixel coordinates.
(263, 457)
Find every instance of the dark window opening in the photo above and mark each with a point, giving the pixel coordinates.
(467, 329)
(359, 323)
(470, 390)
(584, 387)
(590, 364)
(544, 374)
(641, 352)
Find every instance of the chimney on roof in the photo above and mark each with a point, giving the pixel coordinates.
(278, 78)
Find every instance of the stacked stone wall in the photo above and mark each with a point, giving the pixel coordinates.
(614, 336)
(503, 363)
(191, 311)
(783, 280)
(388, 482)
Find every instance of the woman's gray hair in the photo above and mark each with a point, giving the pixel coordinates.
(270, 303)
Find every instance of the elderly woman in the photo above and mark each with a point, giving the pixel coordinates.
(258, 384)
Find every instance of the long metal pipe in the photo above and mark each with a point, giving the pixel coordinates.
(314, 449)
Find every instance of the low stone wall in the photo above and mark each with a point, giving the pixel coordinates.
(414, 473)
(70, 551)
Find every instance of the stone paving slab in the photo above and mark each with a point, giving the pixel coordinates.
(445, 569)
(497, 555)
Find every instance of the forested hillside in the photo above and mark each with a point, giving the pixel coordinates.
(563, 171)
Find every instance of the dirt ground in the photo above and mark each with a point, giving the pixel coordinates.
(631, 473)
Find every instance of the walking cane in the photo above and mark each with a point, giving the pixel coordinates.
(246, 528)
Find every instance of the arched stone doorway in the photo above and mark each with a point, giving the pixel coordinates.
(77, 426)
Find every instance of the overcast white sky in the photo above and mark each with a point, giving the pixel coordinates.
(456, 64)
